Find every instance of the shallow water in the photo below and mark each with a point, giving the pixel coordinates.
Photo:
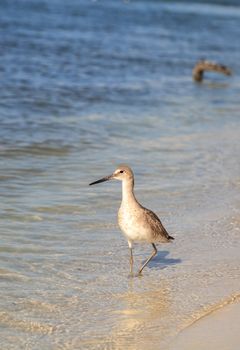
(85, 87)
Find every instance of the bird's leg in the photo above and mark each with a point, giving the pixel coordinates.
(150, 258)
(130, 245)
(131, 261)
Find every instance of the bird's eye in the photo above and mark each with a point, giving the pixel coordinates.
(121, 171)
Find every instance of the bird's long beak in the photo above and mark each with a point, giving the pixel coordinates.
(106, 178)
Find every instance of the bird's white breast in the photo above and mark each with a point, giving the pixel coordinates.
(130, 222)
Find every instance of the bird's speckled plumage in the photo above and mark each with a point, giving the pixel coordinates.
(136, 222)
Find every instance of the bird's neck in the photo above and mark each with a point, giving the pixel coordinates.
(128, 193)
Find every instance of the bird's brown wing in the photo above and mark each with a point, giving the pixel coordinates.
(159, 231)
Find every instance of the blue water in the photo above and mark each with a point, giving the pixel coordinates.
(86, 85)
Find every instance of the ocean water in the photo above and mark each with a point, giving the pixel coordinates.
(86, 85)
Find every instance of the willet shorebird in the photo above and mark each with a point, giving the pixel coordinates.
(203, 65)
(136, 222)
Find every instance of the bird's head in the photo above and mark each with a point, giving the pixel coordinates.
(122, 173)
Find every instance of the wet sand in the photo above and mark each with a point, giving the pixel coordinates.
(218, 330)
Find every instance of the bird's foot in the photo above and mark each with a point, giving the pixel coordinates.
(138, 274)
(132, 274)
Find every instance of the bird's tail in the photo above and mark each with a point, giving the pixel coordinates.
(171, 238)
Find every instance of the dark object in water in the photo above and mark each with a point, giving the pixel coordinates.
(204, 65)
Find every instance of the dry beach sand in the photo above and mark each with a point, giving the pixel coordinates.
(218, 330)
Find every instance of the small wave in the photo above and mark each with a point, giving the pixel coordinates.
(22, 218)
(38, 150)
(7, 320)
(9, 275)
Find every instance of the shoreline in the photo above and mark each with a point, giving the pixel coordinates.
(217, 329)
